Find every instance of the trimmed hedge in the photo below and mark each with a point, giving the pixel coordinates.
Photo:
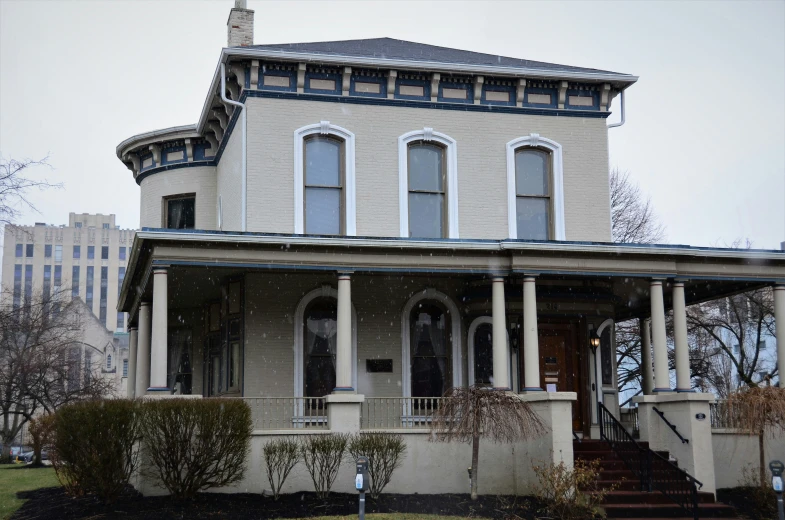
(192, 445)
(94, 446)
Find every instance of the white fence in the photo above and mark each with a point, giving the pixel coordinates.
(382, 413)
(286, 413)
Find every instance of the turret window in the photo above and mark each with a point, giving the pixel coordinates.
(179, 212)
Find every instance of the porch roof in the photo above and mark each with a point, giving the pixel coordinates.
(709, 273)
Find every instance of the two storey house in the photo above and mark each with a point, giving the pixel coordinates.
(353, 227)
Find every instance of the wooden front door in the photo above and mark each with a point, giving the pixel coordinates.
(560, 367)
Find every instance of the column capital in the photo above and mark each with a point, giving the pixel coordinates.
(135, 327)
(145, 304)
(345, 275)
(160, 269)
(497, 278)
(779, 286)
(678, 282)
(530, 277)
(656, 281)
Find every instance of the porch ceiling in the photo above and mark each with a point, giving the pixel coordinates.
(209, 256)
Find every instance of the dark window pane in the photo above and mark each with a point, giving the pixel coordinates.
(17, 285)
(19, 248)
(321, 327)
(425, 167)
(531, 172)
(90, 252)
(483, 354)
(122, 253)
(533, 222)
(430, 351)
(323, 211)
(89, 285)
(75, 281)
(48, 251)
(180, 213)
(29, 251)
(426, 215)
(77, 251)
(28, 284)
(322, 162)
(104, 252)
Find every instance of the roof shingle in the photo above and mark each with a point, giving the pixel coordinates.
(390, 48)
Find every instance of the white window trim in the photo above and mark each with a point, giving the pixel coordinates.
(350, 205)
(536, 141)
(451, 155)
(299, 340)
(470, 349)
(455, 320)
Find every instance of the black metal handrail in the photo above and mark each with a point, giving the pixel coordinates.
(654, 471)
(673, 426)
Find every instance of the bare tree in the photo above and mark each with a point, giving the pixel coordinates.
(734, 332)
(632, 221)
(41, 362)
(632, 217)
(467, 414)
(15, 185)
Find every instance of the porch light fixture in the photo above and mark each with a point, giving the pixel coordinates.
(594, 340)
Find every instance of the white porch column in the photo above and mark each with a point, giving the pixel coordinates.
(133, 337)
(158, 343)
(501, 357)
(779, 327)
(661, 375)
(531, 349)
(143, 350)
(646, 367)
(343, 357)
(682, 347)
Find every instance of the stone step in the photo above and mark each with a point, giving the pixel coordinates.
(667, 511)
(644, 497)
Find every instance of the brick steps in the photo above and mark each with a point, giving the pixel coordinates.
(627, 501)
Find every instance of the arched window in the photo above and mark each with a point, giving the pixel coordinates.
(535, 200)
(483, 355)
(324, 201)
(431, 341)
(319, 335)
(428, 191)
(324, 194)
(480, 352)
(533, 193)
(108, 361)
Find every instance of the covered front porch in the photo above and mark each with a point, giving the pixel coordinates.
(344, 334)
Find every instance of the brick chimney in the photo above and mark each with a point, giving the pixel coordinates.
(239, 27)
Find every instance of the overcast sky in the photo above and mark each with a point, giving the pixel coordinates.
(705, 131)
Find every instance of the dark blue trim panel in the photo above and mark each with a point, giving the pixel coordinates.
(379, 80)
(509, 89)
(175, 166)
(336, 78)
(468, 88)
(554, 93)
(593, 94)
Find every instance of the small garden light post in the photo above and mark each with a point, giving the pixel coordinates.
(776, 468)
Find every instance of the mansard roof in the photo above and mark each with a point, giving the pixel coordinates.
(394, 49)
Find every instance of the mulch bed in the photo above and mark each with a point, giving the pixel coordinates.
(752, 502)
(54, 503)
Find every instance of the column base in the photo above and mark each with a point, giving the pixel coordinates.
(344, 410)
(343, 389)
(158, 389)
(531, 389)
(662, 391)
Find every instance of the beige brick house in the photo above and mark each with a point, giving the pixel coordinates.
(353, 227)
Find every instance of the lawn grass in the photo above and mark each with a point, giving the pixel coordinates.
(15, 478)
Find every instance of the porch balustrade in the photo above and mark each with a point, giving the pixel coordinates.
(723, 416)
(382, 413)
(288, 413)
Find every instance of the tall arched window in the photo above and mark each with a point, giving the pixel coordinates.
(320, 327)
(427, 190)
(483, 354)
(428, 185)
(323, 188)
(533, 194)
(431, 350)
(108, 361)
(324, 192)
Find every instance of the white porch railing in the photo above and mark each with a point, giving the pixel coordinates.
(380, 413)
(286, 413)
